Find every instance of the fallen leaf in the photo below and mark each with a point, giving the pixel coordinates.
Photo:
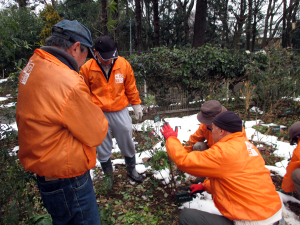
(145, 160)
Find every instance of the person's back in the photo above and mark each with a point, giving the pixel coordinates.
(49, 127)
(239, 173)
(59, 125)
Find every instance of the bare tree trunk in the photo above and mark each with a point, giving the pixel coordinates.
(127, 9)
(169, 12)
(272, 31)
(296, 7)
(182, 7)
(200, 23)
(248, 29)
(104, 17)
(284, 43)
(240, 20)
(149, 22)
(138, 19)
(187, 27)
(156, 22)
(186, 14)
(269, 10)
(53, 2)
(290, 17)
(162, 35)
(223, 14)
(22, 3)
(116, 17)
(290, 10)
(256, 5)
(294, 21)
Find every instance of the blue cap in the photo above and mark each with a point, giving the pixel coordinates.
(74, 31)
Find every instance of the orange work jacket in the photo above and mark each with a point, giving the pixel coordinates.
(116, 93)
(287, 182)
(239, 182)
(58, 123)
(201, 135)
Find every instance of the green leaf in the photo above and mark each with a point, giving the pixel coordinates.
(19, 63)
(121, 217)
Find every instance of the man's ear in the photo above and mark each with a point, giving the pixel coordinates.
(298, 137)
(75, 49)
(222, 132)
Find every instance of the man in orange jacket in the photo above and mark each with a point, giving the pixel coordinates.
(112, 84)
(239, 182)
(59, 125)
(291, 180)
(208, 111)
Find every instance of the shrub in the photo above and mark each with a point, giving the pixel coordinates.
(19, 34)
(18, 193)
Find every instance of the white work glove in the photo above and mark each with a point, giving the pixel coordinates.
(137, 111)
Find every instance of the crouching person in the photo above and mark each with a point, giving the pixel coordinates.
(239, 182)
(60, 126)
(291, 180)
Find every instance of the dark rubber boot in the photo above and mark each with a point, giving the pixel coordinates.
(131, 171)
(108, 174)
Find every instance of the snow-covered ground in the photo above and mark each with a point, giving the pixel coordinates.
(3, 80)
(188, 125)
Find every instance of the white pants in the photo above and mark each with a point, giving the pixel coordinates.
(120, 124)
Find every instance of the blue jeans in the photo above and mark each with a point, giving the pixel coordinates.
(70, 200)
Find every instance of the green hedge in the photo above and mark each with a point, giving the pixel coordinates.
(205, 71)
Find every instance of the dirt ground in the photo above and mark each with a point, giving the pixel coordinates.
(294, 207)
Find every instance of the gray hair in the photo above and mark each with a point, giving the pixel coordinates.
(61, 42)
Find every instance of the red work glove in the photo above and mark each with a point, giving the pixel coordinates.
(197, 188)
(167, 131)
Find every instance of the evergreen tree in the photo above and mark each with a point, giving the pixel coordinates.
(50, 18)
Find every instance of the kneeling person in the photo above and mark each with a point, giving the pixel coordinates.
(240, 183)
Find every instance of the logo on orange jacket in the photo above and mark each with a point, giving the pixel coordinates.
(26, 72)
(251, 149)
(119, 78)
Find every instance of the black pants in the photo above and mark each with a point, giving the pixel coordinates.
(197, 217)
